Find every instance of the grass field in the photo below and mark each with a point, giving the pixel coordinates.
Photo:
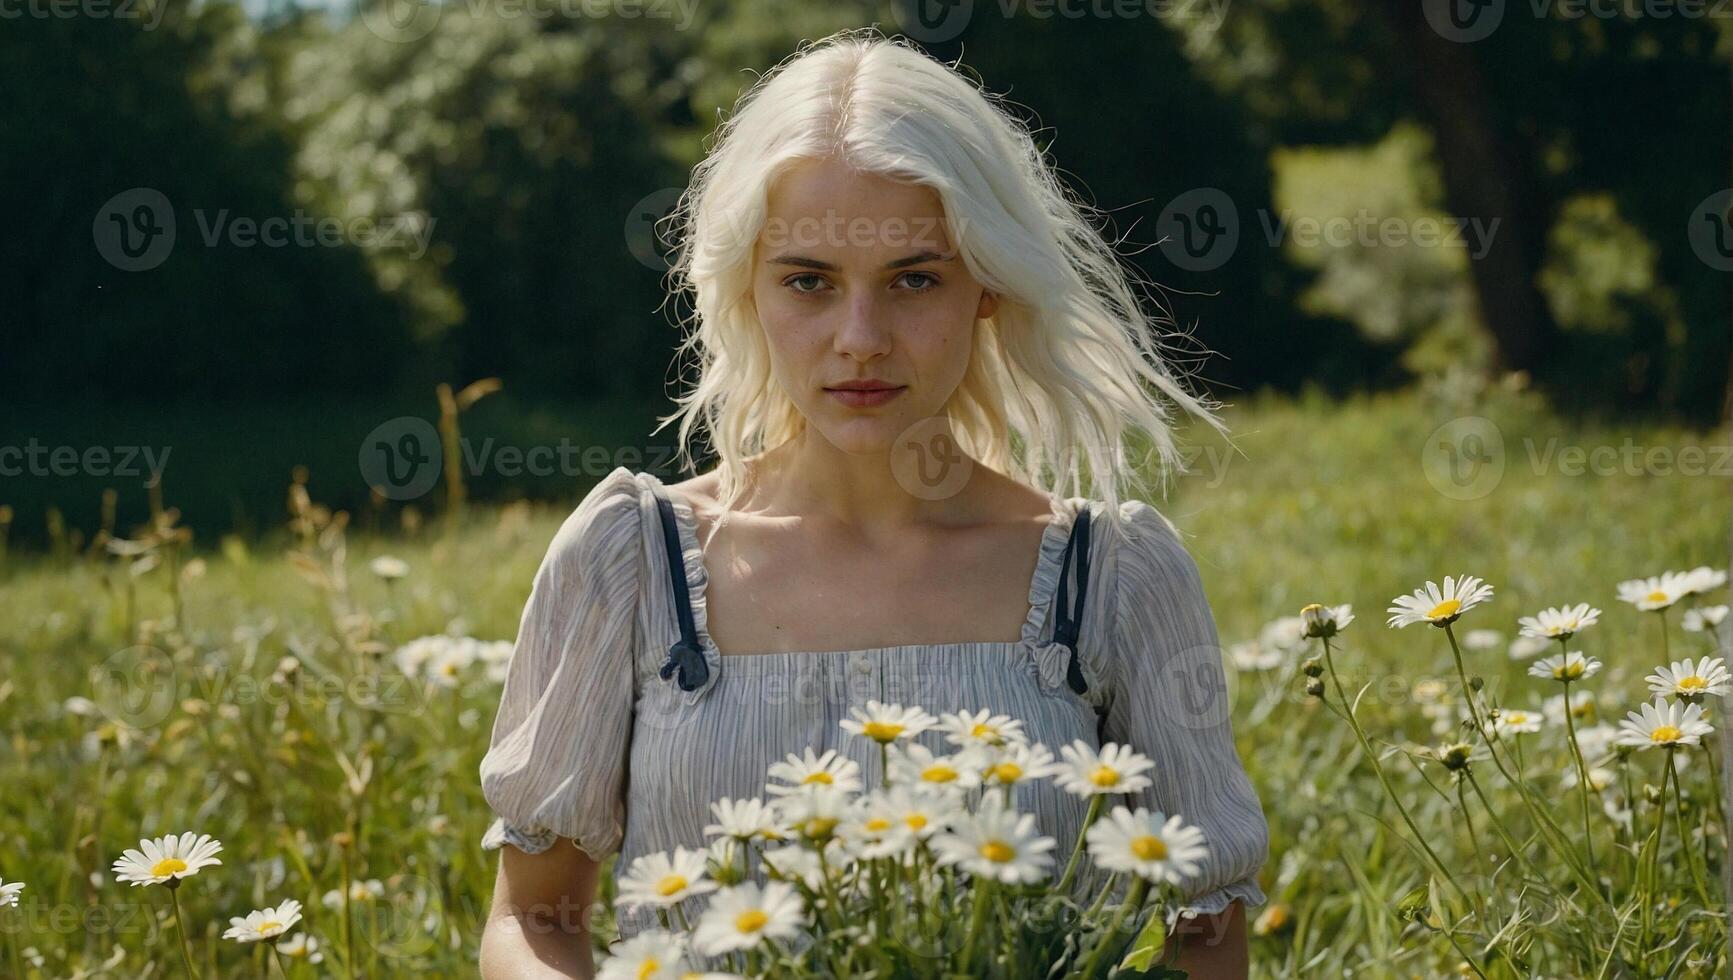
(270, 713)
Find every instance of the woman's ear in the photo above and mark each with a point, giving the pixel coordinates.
(988, 306)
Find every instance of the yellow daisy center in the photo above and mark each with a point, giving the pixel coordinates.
(1570, 671)
(1104, 776)
(1148, 848)
(938, 774)
(670, 885)
(1657, 596)
(820, 826)
(269, 926)
(819, 777)
(168, 866)
(1692, 683)
(882, 731)
(1008, 772)
(1448, 607)
(751, 920)
(1516, 717)
(998, 851)
(1665, 733)
(649, 968)
(982, 730)
(916, 821)
(877, 824)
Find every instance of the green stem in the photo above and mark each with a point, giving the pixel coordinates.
(1095, 804)
(1582, 770)
(1378, 769)
(1133, 902)
(1685, 837)
(977, 921)
(180, 927)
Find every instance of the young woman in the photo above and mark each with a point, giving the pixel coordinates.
(913, 347)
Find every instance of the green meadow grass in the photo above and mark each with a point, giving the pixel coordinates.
(1322, 502)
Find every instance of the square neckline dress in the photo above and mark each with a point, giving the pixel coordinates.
(666, 737)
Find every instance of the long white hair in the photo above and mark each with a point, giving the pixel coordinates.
(1064, 376)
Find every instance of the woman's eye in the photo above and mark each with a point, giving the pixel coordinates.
(806, 282)
(919, 282)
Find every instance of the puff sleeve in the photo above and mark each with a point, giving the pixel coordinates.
(556, 764)
(1168, 698)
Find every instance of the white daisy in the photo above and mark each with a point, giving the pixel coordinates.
(872, 829)
(1481, 639)
(746, 820)
(1595, 740)
(266, 923)
(1440, 607)
(9, 893)
(1569, 666)
(829, 769)
(661, 880)
(1019, 763)
(1113, 769)
(1283, 633)
(388, 567)
(166, 860)
(965, 729)
(915, 763)
(1250, 655)
(1582, 709)
(799, 863)
(1559, 622)
(997, 843)
(1656, 592)
(1703, 618)
(1703, 580)
(1516, 721)
(1527, 647)
(1663, 723)
(815, 813)
(922, 813)
(301, 946)
(1324, 621)
(1153, 846)
(650, 955)
(1600, 778)
(745, 915)
(885, 723)
(1691, 679)
(359, 891)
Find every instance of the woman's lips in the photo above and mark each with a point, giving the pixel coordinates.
(864, 397)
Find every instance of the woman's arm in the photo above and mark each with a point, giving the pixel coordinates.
(1212, 947)
(538, 926)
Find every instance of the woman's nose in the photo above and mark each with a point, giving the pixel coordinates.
(864, 332)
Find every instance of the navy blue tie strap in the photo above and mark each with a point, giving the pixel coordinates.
(1070, 621)
(686, 655)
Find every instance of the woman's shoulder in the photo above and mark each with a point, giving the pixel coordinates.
(1148, 551)
(605, 526)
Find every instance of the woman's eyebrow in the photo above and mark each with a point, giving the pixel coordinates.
(902, 263)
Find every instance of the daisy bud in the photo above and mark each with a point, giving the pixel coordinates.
(1315, 688)
(1455, 756)
(1476, 682)
(1313, 667)
(1652, 794)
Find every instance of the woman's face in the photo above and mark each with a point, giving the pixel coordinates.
(856, 281)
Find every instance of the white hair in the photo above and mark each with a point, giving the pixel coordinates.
(1063, 375)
